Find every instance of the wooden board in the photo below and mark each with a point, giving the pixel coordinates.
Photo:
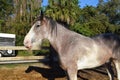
(16, 48)
(21, 58)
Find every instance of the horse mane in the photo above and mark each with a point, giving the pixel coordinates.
(52, 24)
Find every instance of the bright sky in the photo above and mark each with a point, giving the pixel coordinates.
(82, 2)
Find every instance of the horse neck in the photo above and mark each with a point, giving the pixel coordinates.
(56, 38)
(62, 36)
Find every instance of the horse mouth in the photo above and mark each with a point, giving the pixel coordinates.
(29, 47)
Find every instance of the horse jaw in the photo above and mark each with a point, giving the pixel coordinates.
(31, 43)
(36, 45)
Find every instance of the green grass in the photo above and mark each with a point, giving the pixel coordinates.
(25, 53)
(17, 65)
(9, 65)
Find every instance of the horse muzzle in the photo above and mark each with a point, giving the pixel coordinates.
(27, 44)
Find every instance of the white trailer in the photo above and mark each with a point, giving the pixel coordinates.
(7, 40)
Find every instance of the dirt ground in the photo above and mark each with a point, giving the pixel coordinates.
(38, 71)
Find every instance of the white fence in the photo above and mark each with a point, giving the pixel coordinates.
(16, 48)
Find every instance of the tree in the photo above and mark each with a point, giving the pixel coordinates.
(63, 10)
(6, 10)
(26, 10)
(17, 16)
(92, 22)
(111, 8)
(6, 7)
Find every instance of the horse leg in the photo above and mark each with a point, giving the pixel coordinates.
(72, 73)
(117, 65)
(109, 70)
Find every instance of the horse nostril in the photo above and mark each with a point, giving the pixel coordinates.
(29, 47)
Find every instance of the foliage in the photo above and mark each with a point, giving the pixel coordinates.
(91, 22)
(63, 10)
(111, 9)
(6, 7)
(20, 16)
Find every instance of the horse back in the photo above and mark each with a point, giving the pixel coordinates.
(112, 41)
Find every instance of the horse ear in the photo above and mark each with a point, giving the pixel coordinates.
(41, 15)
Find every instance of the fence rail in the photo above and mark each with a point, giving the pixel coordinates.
(22, 59)
(16, 48)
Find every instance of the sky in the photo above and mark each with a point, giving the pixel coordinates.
(82, 3)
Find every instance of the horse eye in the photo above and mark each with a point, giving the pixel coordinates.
(37, 25)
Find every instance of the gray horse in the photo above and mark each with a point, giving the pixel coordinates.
(75, 51)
